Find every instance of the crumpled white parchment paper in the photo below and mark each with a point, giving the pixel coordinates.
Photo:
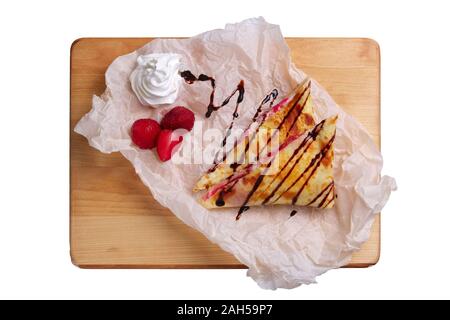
(281, 252)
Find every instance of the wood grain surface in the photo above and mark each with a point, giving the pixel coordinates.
(116, 223)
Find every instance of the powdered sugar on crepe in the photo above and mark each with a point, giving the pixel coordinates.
(280, 251)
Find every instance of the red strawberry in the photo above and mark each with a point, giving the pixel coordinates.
(178, 118)
(167, 141)
(144, 133)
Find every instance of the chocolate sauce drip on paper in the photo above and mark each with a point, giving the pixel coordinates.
(190, 78)
(293, 213)
(270, 97)
(241, 90)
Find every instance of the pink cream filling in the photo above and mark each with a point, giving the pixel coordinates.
(278, 106)
(289, 140)
(224, 184)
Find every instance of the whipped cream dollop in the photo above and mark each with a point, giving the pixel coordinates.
(156, 79)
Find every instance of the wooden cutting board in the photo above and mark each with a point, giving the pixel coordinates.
(116, 223)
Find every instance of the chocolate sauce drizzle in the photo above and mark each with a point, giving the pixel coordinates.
(220, 201)
(330, 188)
(268, 98)
(289, 113)
(328, 202)
(260, 178)
(293, 212)
(325, 198)
(310, 138)
(234, 166)
(190, 78)
(314, 162)
(244, 206)
(241, 90)
(285, 117)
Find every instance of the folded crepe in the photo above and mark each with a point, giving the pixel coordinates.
(289, 118)
(301, 173)
(296, 171)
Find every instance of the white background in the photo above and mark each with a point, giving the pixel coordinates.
(34, 163)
